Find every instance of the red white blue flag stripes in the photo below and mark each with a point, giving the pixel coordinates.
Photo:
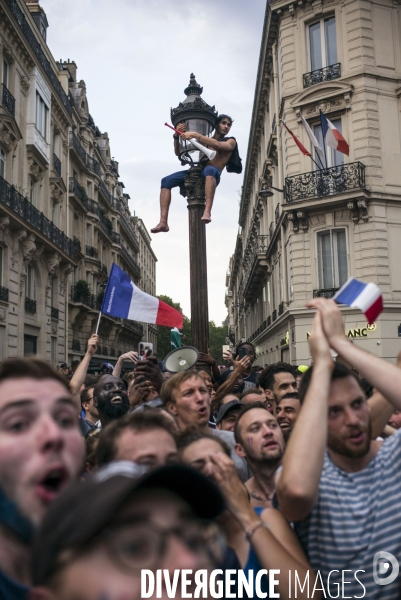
(365, 296)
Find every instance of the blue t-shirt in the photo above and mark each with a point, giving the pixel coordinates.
(12, 590)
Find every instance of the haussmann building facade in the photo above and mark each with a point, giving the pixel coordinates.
(344, 58)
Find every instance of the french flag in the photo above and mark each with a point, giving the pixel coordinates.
(333, 137)
(124, 299)
(365, 296)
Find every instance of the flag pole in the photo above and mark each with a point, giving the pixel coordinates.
(324, 138)
(98, 322)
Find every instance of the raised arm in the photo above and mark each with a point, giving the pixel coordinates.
(240, 366)
(79, 376)
(274, 543)
(383, 375)
(297, 483)
(133, 356)
(208, 358)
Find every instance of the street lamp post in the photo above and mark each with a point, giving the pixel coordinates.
(200, 117)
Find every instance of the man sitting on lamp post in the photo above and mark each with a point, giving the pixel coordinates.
(211, 172)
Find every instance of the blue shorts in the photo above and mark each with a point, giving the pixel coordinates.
(176, 179)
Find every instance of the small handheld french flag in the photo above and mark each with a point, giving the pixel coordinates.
(365, 296)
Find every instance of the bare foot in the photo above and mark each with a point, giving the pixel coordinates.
(160, 227)
(206, 218)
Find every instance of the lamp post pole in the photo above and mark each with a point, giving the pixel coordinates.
(200, 117)
(195, 193)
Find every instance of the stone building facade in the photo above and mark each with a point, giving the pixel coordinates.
(147, 263)
(342, 57)
(64, 216)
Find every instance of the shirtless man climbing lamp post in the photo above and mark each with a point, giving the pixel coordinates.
(194, 119)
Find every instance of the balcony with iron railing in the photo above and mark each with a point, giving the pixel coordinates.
(3, 294)
(106, 226)
(92, 206)
(128, 230)
(54, 312)
(76, 345)
(89, 300)
(25, 210)
(30, 306)
(274, 316)
(325, 293)
(105, 193)
(37, 49)
(325, 74)
(256, 268)
(104, 270)
(116, 237)
(325, 182)
(56, 165)
(128, 258)
(77, 146)
(76, 188)
(92, 252)
(7, 100)
(280, 309)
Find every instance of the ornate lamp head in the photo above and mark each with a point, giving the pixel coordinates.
(198, 116)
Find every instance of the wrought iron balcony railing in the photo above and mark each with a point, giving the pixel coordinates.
(116, 237)
(104, 269)
(105, 225)
(134, 240)
(91, 251)
(325, 182)
(7, 100)
(277, 214)
(325, 74)
(134, 326)
(76, 345)
(77, 189)
(92, 206)
(3, 294)
(56, 165)
(325, 292)
(93, 165)
(37, 48)
(30, 306)
(54, 313)
(76, 144)
(134, 266)
(90, 300)
(105, 192)
(24, 209)
(280, 308)
(274, 316)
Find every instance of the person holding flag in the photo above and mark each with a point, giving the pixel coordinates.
(175, 338)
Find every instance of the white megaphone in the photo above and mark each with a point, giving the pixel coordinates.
(181, 359)
(209, 153)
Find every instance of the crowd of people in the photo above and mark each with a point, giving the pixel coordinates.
(289, 475)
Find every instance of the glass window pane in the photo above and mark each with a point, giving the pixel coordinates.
(331, 43)
(315, 47)
(340, 256)
(317, 130)
(325, 262)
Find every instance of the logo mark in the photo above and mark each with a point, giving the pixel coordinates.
(386, 564)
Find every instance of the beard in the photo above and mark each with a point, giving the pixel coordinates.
(265, 459)
(342, 448)
(112, 411)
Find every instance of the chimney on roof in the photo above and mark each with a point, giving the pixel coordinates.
(39, 16)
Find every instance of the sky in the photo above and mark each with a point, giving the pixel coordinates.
(136, 57)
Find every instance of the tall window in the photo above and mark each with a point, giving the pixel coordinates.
(41, 115)
(334, 158)
(332, 258)
(30, 291)
(2, 163)
(322, 43)
(5, 73)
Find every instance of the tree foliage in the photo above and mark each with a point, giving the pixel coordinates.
(217, 335)
(163, 333)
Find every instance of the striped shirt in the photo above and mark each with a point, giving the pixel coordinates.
(357, 515)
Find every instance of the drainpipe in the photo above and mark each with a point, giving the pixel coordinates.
(67, 287)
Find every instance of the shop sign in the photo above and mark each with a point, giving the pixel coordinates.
(356, 333)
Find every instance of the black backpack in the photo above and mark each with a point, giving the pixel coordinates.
(234, 165)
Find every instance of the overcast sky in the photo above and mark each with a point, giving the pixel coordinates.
(136, 57)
